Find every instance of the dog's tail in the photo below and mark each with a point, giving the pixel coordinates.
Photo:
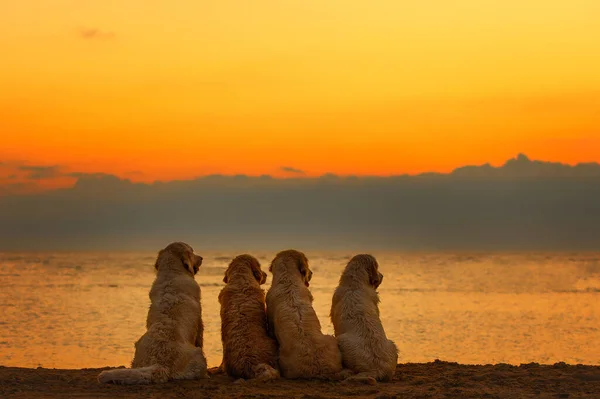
(142, 375)
(264, 372)
(365, 378)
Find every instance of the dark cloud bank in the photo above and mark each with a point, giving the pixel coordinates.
(523, 205)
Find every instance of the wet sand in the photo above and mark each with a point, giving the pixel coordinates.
(430, 380)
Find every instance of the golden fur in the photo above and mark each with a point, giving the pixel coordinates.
(355, 317)
(248, 351)
(171, 348)
(304, 351)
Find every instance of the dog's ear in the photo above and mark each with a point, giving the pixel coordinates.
(257, 273)
(157, 258)
(188, 259)
(302, 267)
(374, 276)
(304, 270)
(197, 262)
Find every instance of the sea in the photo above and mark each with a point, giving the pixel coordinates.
(85, 310)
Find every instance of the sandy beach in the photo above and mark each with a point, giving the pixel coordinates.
(418, 380)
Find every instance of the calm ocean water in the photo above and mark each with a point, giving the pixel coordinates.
(75, 310)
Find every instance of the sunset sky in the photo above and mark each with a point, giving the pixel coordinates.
(149, 89)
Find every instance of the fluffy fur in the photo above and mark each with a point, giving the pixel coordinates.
(171, 348)
(304, 351)
(248, 351)
(355, 317)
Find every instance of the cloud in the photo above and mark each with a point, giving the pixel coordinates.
(41, 172)
(95, 34)
(521, 205)
(20, 178)
(290, 169)
(521, 167)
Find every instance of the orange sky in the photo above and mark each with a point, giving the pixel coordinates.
(187, 88)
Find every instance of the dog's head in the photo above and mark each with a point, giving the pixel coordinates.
(365, 267)
(184, 253)
(243, 263)
(294, 260)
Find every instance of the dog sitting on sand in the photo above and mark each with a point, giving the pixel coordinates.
(248, 351)
(355, 317)
(304, 351)
(171, 348)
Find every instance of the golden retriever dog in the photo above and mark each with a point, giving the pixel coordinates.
(304, 351)
(171, 348)
(355, 317)
(248, 351)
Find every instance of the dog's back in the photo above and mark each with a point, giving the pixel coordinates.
(247, 348)
(172, 319)
(304, 351)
